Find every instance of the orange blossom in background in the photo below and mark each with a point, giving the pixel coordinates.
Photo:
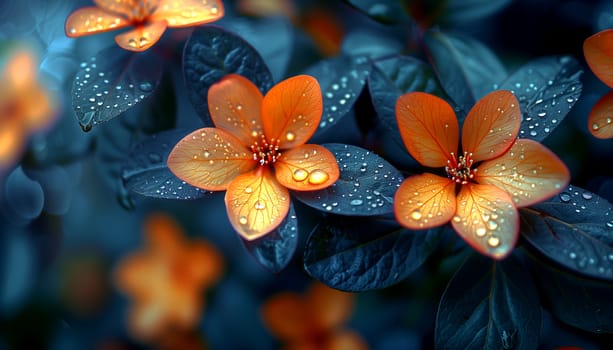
(598, 51)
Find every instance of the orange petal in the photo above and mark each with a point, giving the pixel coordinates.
(12, 141)
(124, 7)
(19, 73)
(183, 13)
(147, 320)
(39, 112)
(346, 339)
(142, 37)
(163, 234)
(487, 219)
(133, 274)
(291, 111)
(307, 168)
(491, 126)
(210, 158)
(529, 172)
(598, 51)
(425, 201)
(286, 316)
(204, 263)
(235, 104)
(92, 20)
(256, 203)
(331, 308)
(428, 126)
(600, 121)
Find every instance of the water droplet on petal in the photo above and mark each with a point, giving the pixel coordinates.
(481, 231)
(242, 220)
(416, 215)
(248, 190)
(300, 174)
(493, 241)
(259, 205)
(318, 177)
(290, 136)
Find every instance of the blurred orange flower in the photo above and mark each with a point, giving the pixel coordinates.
(598, 51)
(166, 279)
(258, 150)
(25, 106)
(313, 321)
(150, 18)
(496, 172)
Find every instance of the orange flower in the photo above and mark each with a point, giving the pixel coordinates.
(150, 18)
(25, 106)
(257, 151)
(166, 279)
(598, 51)
(313, 321)
(496, 172)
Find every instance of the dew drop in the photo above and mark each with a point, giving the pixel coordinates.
(242, 220)
(259, 205)
(587, 195)
(356, 202)
(456, 218)
(145, 86)
(318, 177)
(595, 126)
(481, 231)
(493, 241)
(416, 214)
(300, 174)
(248, 190)
(290, 136)
(565, 197)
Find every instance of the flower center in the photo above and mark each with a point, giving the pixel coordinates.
(458, 169)
(265, 152)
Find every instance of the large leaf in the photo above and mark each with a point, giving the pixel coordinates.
(466, 68)
(471, 10)
(574, 229)
(364, 254)
(366, 185)
(275, 250)
(489, 305)
(145, 171)
(547, 88)
(210, 53)
(112, 82)
(371, 43)
(384, 11)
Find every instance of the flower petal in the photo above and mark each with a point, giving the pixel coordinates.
(124, 7)
(210, 158)
(256, 203)
(330, 308)
(491, 126)
(425, 201)
(91, 20)
(529, 172)
(291, 111)
(346, 339)
(12, 141)
(307, 168)
(286, 316)
(428, 126)
(598, 51)
(600, 121)
(19, 73)
(163, 234)
(183, 13)
(486, 219)
(203, 263)
(235, 104)
(142, 37)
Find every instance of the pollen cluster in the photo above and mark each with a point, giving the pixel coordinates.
(265, 152)
(459, 169)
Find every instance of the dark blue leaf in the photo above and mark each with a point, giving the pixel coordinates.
(466, 68)
(19, 271)
(547, 88)
(384, 11)
(471, 10)
(210, 53)
(363, 254)
(342, 80)
(146, 172)
(275, 250)
(112, 82)
(489, 305)
(580, 302)
(22, 197)
(57, 187)
(366, 185)
(371, 43)
(574, 229)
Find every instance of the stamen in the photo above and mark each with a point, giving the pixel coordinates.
(265, 152)
(459, 169)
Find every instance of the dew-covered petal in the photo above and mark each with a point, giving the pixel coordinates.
(428, 127)
(286, 316)
(142, 37)
(600, 121)
(182, 13)
(491, 126)
(529, 172)
(235, 104)
(256, 203)
(91, 20)
(307, 168)
(124, 7)
(486, 219)
(210, 158)
(598, 51)
(425, 201)
(291, 111)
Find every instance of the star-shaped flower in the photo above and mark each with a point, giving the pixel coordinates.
(150, 18)
(485, 183)
(166, 279)
(598, 51)
(258, 150)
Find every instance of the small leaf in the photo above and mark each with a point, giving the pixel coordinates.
(489, 305)
(275, 250)
(466, 68)
(210, 53)
(372, 43)
(546, 88)
(146, 172)
(384, 11)
(364, 254)
(112, 82)
(574, 229)
(366, 185)
(342, 80)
